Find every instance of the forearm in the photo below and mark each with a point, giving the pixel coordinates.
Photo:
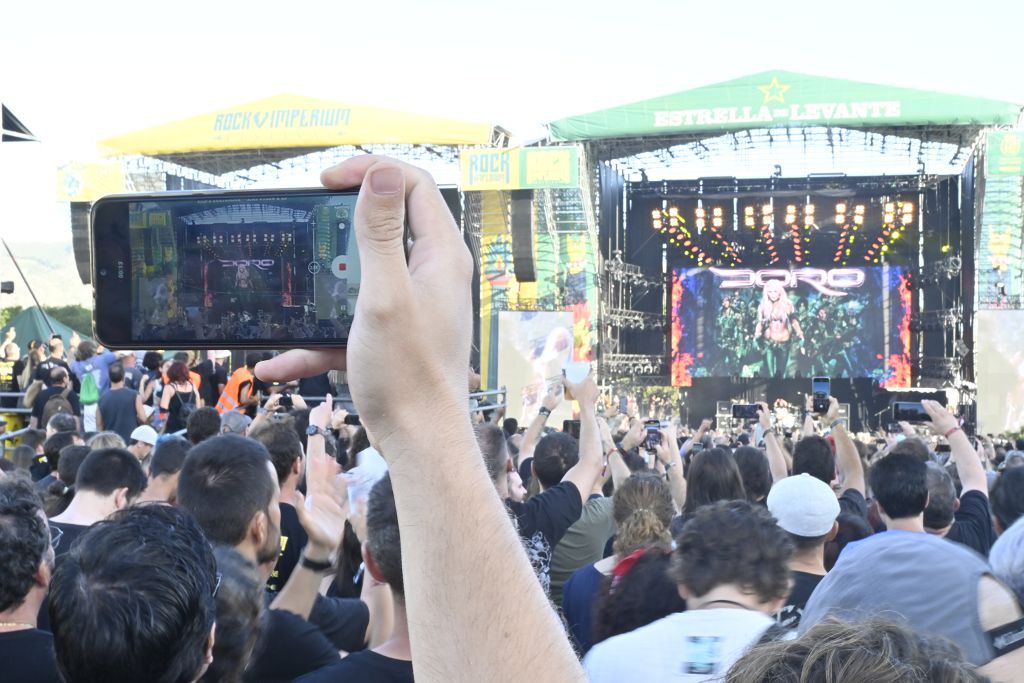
(776, 453)
(517, 624)
(677, 484)
(810, 428)
(299, 594)
(620, 471)
(532, 436)
(968, 466)
(851, 471)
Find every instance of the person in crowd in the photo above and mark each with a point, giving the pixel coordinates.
(202, 424)
(288, 459)
(567, 473)
(109, 479)
(213, 376)
(133, 372)
(179, 399)
(22, 456)
(27, 559)
(871, 576)
(163, 470)
(61, 422)
(382, 552)
(755, 472)
(713, 476)
(92, 360)
(239, 601)
(397, 319)
(151, 383)
(317, 385)
(642, 510)
(230, 486)
(141, 442)
(1008, 498)
(149, 560)
(805, 508)
(56, 359)
(876, 650)
(44, 469)
(238, 393)
(730, 565)
(59, 397)
(58, 495)
(851, 528)
(105, 440)
(234, 422)
(814, 455)
(120, 408)
(1007, 559)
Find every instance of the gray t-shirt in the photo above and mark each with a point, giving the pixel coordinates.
(927, 581)
(582, 544)
(117, 408)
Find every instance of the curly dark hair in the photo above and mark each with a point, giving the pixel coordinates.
(643, 595)
(733, 542)
(24, 539)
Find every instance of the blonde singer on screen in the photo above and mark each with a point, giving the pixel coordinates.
(776, 326)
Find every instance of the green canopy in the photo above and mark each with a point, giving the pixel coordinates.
(31, 324)
(785, 99)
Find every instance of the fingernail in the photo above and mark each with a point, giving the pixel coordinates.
(386, 181)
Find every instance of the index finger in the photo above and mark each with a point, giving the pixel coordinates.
(426, 210)
(299, 364)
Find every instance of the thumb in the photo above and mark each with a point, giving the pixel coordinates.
(380, 230)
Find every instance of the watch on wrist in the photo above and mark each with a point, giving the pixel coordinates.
(544, 411)
(313, 430)
(315, 565)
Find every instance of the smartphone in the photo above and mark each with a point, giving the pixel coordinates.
(623, 405)
(653, 428)
(224, 269)
(909, 411)
(821, 389)
(943, 448)
(572, 428)
(745, 411)
(286, 401)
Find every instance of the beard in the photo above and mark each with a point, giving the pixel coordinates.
(271, 550)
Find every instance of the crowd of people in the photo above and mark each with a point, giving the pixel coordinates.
(207, 526)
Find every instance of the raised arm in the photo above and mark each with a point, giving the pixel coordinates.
(968, 465)
(669, 457)
(773, 447)
(407, 355)
(851, 469)
(613, 458)
(587, 470)
(533, 432)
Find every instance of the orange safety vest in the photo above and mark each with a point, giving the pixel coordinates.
(229, 399)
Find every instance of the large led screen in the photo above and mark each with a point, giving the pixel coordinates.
(787, 323)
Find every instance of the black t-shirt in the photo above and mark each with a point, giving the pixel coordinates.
(853, 502)
(314, 387)
(40, 405)
(8, 382)
(117, 408)
(343, 621)
(363, 666)
(70, 533)
(803, 585)
(293, 540)
(288, 647)
(44, 367)
(972, 525)
(28, 657)
(213, 375)
(543, 520)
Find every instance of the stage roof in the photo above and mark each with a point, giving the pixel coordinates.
(775, 99)
(284, 126)
(11, 129)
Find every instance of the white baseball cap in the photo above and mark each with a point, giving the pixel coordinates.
(803, 505)
(145, 434)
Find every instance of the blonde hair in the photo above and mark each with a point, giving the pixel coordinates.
(643, 510)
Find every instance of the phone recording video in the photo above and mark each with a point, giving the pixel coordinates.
(228, 269)
(745, 411)
(653, 428)
(821, 389)
(909, 411)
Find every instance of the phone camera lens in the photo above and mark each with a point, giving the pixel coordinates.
(103, 272)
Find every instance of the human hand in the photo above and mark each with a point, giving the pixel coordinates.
(705, 426)
(9, 335)
(413, 320)
(273, 403)
(584, 392)
(74, 340)
(324, 509)
(764, 416)
(338, 418)
(808, 403)
(635, 436)
(298, 403)
(321, 415)
(607, 441)
(553, 398)
(832, 414)
(907, 429)
(666, 451)
(943, 421)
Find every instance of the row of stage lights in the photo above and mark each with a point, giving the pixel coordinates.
(896, 216)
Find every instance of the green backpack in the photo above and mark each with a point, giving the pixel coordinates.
(90, 393)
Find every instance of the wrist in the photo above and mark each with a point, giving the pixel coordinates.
(544, 412)
(318, 552)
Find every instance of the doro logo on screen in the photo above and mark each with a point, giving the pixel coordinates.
(825, 281)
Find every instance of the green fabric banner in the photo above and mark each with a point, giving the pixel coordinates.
(781, 99)
(1005, 153)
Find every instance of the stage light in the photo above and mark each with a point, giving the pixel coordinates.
(701, 223)
(858, 220)
(859, 210)
(748, 211)
(766, 209)
(716, 221)
(657, 224)
(908, 207)
(840, 218)
(907, 218)
(767, 220)
(890, 207)
(809, 210)
(700, 212)
(749, 221)
(673, 211)
(885, 248)
(840, 208)
(945, 248)
(717, 211)
(889, 218)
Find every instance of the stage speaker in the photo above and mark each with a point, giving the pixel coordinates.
(80, 239)
(522, 236)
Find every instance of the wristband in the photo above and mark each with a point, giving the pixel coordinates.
(314, 565)
(544, 411)
(951, 432)
(836, 423)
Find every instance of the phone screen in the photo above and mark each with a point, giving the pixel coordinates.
(225, 268)
(745, 411)
(821, 386)
(909, 411)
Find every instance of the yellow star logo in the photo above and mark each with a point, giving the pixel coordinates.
(774, 91)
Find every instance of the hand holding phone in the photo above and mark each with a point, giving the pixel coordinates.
(653, 430)
(912, 412)
(745, 411)
(942, 421)
(821, 389)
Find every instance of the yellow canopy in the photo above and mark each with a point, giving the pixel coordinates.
(295, 122)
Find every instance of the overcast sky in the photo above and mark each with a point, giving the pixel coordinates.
(76, 72)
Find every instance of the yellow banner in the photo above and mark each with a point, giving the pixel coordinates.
(519, 168)
(89, 181)
(286, 121)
